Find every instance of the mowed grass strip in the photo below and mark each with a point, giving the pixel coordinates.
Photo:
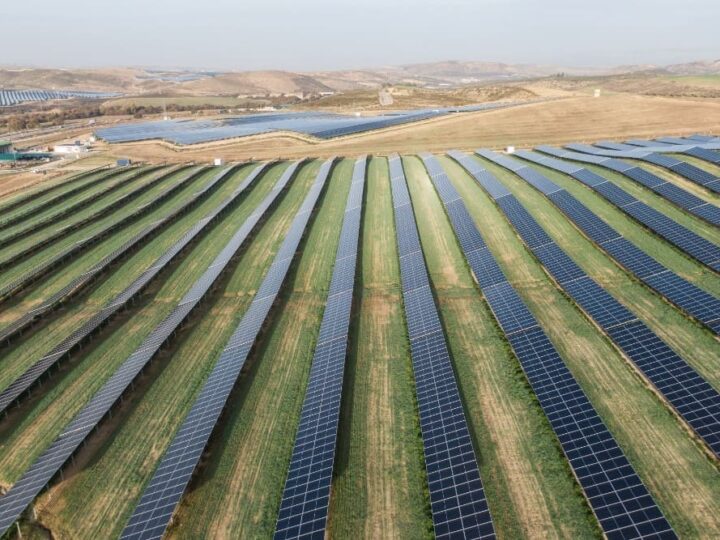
(82, 262)
(238, 491)
(88, 507)
(56, 326)
(697, 345)
(664, 252)
(528, 482)
(683, 481)
(380, 486)
(24, 436)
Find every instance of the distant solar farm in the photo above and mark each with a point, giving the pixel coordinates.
(9, 98)
(318, 124)
(475, 344)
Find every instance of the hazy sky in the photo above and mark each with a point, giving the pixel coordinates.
(327, 34)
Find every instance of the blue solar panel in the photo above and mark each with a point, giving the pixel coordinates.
(691, 299)
(319, 124)
(684, 239)
(681, 385)
(75, 432)
(457, 498)
(304, 505)
(164, 491)
(609, 482)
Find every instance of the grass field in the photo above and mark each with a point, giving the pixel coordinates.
(379, 488)
(645, 429)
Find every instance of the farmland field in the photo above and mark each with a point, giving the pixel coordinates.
(382, 486)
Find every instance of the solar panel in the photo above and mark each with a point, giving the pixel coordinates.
(694, 301)
(681, 237)
(457, 498)
(50, 462)
(15, 390)
(162, 494)
(675, 194)
(304, 505)
(620, 501)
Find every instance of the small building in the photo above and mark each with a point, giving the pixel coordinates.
(5, 147)
(510, 149)
(124, 162)
(218, 161)
(74, 148)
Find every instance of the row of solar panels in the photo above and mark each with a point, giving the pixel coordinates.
(683, 238)
(50, 462)
(691, 299)
(53, 202)
(623, 506)
(306, 495)
(697, 402)
(41, 366)
(675, 194)
(76, 285)
(15, 97)
(162, 494)
(688, 171)
(62, 212)
(41, 269)
(457, 496)
(318, 124)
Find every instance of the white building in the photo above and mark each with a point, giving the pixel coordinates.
(74, 148)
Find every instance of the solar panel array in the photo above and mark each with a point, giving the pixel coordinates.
(675, 194)
(54, 202)
(697, 402)
(304, 505)
(9, 97)
(163, 493)
(681, 237)
(40, 270)
(318, 124)
(49, 463)
(457, 497)
(99, 213)
(694, 301)
(15, 390)
(623, 506)
(69, 210)
(682, 168)
(711, 156)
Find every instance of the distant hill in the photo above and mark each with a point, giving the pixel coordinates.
(432, 74)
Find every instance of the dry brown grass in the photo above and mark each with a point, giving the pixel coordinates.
(555, 122)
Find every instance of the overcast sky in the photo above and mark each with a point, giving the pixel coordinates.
(333, 34)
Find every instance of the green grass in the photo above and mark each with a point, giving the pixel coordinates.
(380, 482)
(676, 470)
(39, 422)
(528, 483)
